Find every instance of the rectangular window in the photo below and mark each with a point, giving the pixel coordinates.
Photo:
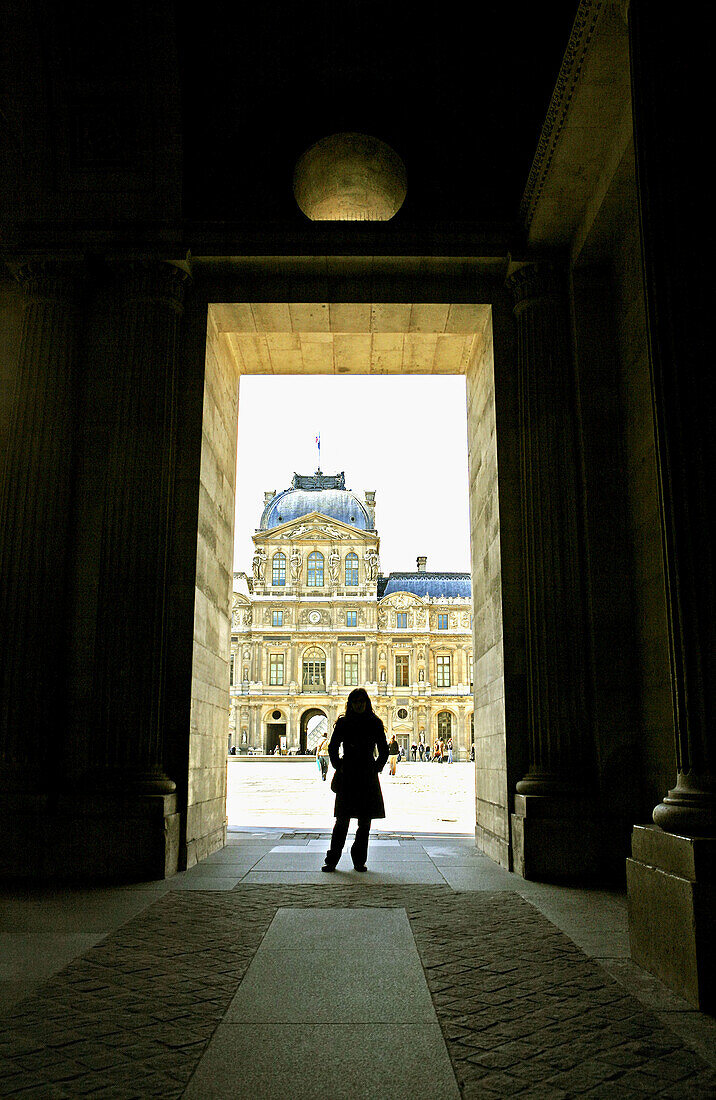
(442, 622)
(275, 669)
(442, 672)
(277, 618)
(402, 671)
(351, 618)
(401, 620)
(350, 670)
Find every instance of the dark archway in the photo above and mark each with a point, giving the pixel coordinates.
(311, 731)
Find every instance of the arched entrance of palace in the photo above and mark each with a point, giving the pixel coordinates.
(314, 726)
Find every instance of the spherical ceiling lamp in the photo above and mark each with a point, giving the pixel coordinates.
(349, 177)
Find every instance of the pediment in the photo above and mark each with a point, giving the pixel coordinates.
(401, 599)
(314, 527)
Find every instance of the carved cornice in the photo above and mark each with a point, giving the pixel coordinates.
(588, 15)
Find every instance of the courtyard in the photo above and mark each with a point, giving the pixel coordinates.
(289, 793)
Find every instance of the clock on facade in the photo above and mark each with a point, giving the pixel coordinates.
(314, 617)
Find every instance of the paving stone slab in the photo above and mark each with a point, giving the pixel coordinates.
(504, 981)
(333, 1062)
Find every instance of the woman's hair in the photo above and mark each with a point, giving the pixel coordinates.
(358, 693)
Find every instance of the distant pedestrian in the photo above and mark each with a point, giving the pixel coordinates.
(322, 758)
(393, 753)
(449, 750)
(427, 753)
(472, 752)
(437, 753)
(413, 751)
(421, 750)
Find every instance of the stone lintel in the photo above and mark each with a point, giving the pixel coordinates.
(671, 890)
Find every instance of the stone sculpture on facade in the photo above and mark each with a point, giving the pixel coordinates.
(259, 564)
(371, 564)
(334, 565)
(296, 565)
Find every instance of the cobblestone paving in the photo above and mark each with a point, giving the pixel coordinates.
(523, 1010)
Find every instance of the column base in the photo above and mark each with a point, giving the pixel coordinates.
(558, 838)
(671, 888)
(98, 837)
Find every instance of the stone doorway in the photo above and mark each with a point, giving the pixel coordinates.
(275, 731)
(282, 332)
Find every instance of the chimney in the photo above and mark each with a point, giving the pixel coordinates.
(422, 562)
(269, 496)
(370, 506)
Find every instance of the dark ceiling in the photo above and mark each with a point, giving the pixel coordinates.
(460, 92)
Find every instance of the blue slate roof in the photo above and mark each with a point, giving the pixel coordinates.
(437, 585)
(317, 492)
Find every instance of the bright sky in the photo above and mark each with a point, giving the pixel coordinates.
(404, 437)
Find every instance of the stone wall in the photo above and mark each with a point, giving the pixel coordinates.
(492, 796)
(206, 789)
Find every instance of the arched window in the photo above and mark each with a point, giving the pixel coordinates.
(314, 670)
(351, 569)
(315, 570)
(278, 570)
(444, 724)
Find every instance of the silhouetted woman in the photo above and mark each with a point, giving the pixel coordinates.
(356, 782)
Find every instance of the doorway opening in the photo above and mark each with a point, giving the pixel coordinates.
(314, 727)
(308, 340)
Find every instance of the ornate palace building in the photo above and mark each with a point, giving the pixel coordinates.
(317, 618)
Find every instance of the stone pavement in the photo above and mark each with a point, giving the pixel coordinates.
(288, 792)
(530, 984)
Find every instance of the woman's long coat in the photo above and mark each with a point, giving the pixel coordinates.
(360, 795)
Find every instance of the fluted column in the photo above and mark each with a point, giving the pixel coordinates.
(35, 507)
(667, 93)
(670, 877)
(550, 831)
(135, 531)
(560, 754)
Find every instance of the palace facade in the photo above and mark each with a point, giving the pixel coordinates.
(317, 618)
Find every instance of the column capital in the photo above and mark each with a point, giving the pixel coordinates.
(535, 281)
(152, 281)
(50, 281)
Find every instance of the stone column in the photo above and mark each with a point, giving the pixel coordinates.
(672, 877)
(554, 831)
(35, 509)
(135, 529)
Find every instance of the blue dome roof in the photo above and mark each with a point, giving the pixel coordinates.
(316, 493)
